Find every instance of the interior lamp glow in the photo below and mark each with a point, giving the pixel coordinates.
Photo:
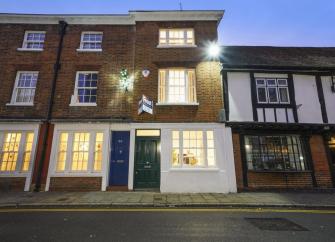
(214, 50)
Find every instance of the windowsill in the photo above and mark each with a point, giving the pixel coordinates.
(20, 104)
(89, 50)
(175, 46)
(83, 104)
(28, 49)
(177, 104)
(190, 169)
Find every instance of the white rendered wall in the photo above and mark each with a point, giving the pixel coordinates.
(307, 100)
(240, 105)
(329, 98)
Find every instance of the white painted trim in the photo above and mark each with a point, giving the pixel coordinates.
(271, 75)
(161, 46)
(19, 104)
(83, 104)
(22, 127)
(32, 50)
(25, 39)
(177, 104)
(89, 50)
(116, 19)
(73, 101)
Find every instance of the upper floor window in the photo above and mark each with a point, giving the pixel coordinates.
(177, 86)
(24, 89)
(176, 37)
(85, 91)
(272, 91)
(34, 40)
(91, 41)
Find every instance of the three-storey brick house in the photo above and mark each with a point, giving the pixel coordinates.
(279, 102)
(119, 102)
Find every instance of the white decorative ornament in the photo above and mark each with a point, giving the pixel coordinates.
(145, 72)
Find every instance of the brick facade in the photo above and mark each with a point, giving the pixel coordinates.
(12, 184)
(70, 184)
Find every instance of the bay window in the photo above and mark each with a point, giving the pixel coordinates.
(16, 151)
(79, 152)
(194, 148)
(275, 153)
(177, 86)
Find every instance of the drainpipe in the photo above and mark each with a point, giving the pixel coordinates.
(62, 30)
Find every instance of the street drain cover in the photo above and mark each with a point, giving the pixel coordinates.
(275, 224)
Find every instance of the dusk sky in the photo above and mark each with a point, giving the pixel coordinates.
(246, 22)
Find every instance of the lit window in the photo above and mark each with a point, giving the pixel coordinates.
(62, 151)
(272, 91)
(80, 152)
(91, 41)
(275, 153)
(176, 37)
(10, 151)
(85, 88)
(27, 151)
(189, 149)
(24, 89)
(98, 151)
(177, 86)
(34, 40)
(80, 149)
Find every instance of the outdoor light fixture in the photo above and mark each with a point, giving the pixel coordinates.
(213, 50)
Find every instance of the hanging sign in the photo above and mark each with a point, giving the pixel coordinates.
(145, 105)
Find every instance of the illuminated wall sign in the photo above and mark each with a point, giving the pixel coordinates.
(145, 105)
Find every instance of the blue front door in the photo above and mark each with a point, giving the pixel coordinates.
(118, 174)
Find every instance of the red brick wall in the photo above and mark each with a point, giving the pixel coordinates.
(12, 184)
(320, 161)
(12, 60)
(238, 161)
(75, 184)
(208, 81)
(278, 180)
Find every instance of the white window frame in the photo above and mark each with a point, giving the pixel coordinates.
(25, 41)
(276, 85)
(166, 87)
(81, 47)
(69, 153)
(74, 97)
(181, 147)
(15, 90)
(167, 45)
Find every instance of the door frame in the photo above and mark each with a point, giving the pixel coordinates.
(135, 158)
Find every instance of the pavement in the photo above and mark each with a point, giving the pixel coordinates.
(306, 200)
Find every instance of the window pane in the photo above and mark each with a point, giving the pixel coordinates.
(27, 151)
(282, 82)
(261, 94)
(193, 149)
(283, 94)
(271, 82)
(87, 87)
(272, 92)
(98, 152)
(62, 150)
(176, 86)
(10, 151)
(260, 82)
(80, 151)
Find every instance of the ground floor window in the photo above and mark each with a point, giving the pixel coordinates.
(16, 149)
(193, 148)
(275, 153)
(79, 151)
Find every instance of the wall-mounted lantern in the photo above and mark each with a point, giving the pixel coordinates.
(125, 80)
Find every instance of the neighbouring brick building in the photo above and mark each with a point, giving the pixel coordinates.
(280, 104)
(113, 102)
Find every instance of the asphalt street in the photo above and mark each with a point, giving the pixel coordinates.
(166, 225)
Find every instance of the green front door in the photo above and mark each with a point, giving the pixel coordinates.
(147, 163)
